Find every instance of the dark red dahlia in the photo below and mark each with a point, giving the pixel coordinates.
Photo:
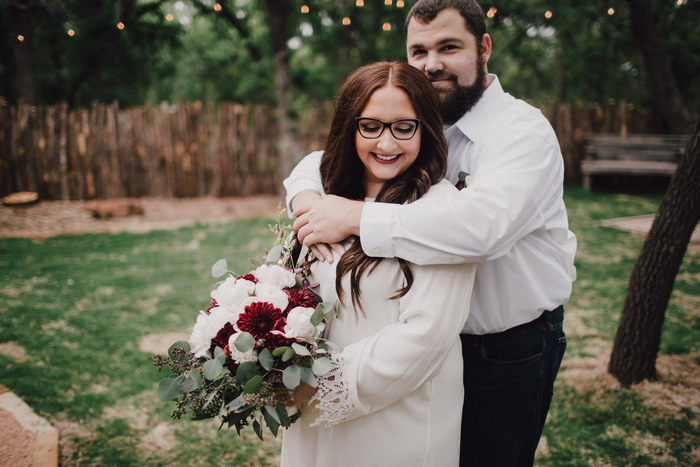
(259, 319)
(221, 338)
(212, 304)
(249, 277)
(299, 297)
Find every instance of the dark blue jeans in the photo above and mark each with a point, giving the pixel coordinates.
(508, 380)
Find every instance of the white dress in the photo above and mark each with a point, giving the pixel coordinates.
(395, 395)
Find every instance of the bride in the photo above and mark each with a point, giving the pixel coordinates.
(394, 395)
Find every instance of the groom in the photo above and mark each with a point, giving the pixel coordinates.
(511, 219)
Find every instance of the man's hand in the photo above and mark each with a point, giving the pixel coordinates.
(329, 220)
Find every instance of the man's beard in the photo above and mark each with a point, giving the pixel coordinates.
(459, 100)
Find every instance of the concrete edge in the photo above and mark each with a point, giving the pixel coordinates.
(46, 443)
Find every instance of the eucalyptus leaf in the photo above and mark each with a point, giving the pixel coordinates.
(272, 423)
(321, 366)
(219, 268)
(168, 389)
(271, 410)
(288, 354)
(291, 377)
(246, 370)
(274, 254)
(235, 404)
(308, 377)
(253, 384)
(183, 344)
(279, 351)
(267, 361)
(300, 349)
(283, 415)
(191, 381)
(258, 429)
(317, 316)
(212, 369)
(210, 398)
(244, 342)
(218, 352)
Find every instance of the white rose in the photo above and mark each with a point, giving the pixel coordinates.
(299, 324)
(238, 356)
(272, 295)
(206, 328)
(276, 275)
(232, 292)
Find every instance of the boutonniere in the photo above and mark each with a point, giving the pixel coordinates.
(465, 180)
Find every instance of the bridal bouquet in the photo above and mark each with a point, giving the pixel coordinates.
(259, 338)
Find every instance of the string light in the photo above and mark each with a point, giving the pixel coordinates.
(387, 2)
(360, 3)
(386, 27)
(304, 9)
(346, 21)
(611, 11)
(169, 17)
(399, 4)
(548, 14)
(120, 25)
(217, 7)
(20, 38)
(492, 12)
(71, 33)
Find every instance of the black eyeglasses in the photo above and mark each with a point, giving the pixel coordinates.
(371, 128)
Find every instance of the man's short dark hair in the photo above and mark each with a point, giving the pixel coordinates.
(425, 11)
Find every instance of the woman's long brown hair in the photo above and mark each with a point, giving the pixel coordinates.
(342, 171)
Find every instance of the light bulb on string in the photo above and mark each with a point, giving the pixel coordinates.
(399, 4)
(611, 11)
(346, 21)
(492, 12)
(548, 14)
(360, 3)
(70, 32)
(120, 25)
(304, 8)
(217, 7)
(386, 27)
(169, 17)
(20, 38)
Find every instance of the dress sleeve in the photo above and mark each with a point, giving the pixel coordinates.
(305, 176)
(377, 371)
(513, 192)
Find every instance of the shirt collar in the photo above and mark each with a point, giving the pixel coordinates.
(471, 123)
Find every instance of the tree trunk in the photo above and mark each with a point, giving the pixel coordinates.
(278, 12)
(667, 98)
(24, 50)
(636, 346)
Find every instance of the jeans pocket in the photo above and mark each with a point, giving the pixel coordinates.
(519, 345)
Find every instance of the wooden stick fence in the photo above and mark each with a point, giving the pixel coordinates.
(191, 149)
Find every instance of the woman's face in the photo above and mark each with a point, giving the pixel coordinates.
(386, 157)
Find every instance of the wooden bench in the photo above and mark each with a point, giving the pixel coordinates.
(632, 155)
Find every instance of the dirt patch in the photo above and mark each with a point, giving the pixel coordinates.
(49, 218)
(160, 343)
(14, 351)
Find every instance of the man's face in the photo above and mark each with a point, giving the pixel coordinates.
(453, 60)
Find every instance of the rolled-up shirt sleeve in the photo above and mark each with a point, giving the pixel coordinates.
(305, 176)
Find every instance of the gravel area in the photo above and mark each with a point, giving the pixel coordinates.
(49, 218)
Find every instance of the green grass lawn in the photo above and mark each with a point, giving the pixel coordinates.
(77, 314)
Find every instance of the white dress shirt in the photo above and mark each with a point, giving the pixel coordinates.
(511, 218)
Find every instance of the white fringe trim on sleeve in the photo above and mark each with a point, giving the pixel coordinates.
(333, 396)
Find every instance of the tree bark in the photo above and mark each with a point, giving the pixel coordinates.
(278, 12)
(667, 97)
(636, 345)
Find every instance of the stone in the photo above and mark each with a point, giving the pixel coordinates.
(108, 208)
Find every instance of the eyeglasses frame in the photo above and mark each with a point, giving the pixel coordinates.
(386, 125)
